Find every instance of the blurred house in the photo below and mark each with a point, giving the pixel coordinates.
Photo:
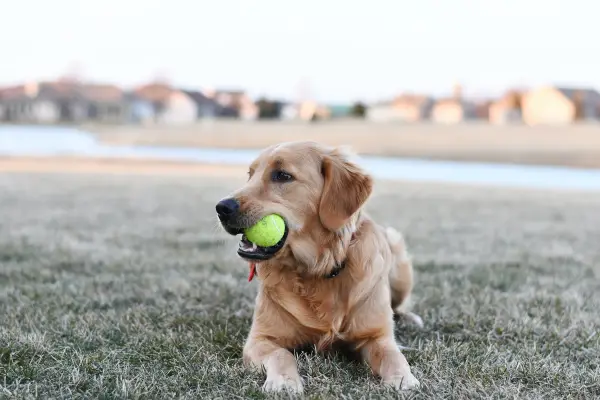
(178, 108)
(63, 102)
(290, 111)
(181, 106)
(383, 111)
(186, 107)
(307, 110)
(141, 110)
(454, 109)
(413, 108)
(322, 112)
(247, 108)
(104, 103)
(205, 106)
(507, 109)
(482, 109)
(310, 110)
(154, 92)
(40, 103)
(228, 101)
(25, 103)
(154, 95)
(406, 108)
(559, 105)
(233, 104)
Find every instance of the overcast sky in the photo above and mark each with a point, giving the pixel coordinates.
(343, 50)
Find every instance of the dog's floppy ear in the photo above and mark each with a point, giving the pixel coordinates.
(346, 188)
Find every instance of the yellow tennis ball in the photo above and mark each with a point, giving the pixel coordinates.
(267, 232)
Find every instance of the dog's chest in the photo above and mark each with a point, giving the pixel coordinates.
(317, 308)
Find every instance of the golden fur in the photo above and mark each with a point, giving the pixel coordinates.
(296, 303)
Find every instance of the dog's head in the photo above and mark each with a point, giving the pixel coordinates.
(317, 190)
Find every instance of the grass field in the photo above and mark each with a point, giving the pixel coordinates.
(123, 287)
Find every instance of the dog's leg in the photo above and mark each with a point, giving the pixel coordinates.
(279, 364)
(401, 277)
(386, 360)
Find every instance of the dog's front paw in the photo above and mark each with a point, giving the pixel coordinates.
(278, 383)
(404, 382)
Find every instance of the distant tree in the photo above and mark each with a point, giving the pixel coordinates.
(267, 109)
(358, 110)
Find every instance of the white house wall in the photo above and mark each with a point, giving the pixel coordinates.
(46, 111)
(384, 114)
(180, 109)
(289, 112)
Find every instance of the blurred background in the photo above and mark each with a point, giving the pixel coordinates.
(512, 82)
(122, 123)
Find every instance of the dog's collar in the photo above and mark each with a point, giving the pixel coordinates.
(339, 266)
(336, 270)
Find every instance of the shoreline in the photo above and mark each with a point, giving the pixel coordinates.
(158, 168)
(123, 166)
(565, 146)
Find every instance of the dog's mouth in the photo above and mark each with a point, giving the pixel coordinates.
(252, 252)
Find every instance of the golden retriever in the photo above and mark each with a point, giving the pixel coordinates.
(335, 276)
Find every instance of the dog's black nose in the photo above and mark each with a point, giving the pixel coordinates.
(227, 208)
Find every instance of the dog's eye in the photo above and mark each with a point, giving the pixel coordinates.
(281, 176)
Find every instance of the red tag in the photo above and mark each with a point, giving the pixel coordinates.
(252, 271)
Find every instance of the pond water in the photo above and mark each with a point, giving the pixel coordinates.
(52, 141)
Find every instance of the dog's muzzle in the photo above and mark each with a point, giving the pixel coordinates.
(228, 211)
